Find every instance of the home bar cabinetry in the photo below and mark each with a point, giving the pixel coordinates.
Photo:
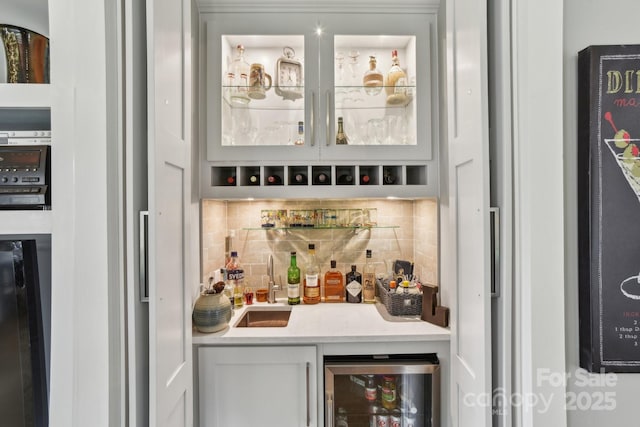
(278, 84)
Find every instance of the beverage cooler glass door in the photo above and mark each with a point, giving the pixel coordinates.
(393, 391)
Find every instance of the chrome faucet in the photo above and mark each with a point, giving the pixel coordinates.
(273, 286)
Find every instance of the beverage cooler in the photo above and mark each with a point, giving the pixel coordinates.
(382, 391)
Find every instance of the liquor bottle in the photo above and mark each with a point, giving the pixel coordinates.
(364, 179)
(354, 285)
(345, 179)
(333, 284)
(254, 179)
(239, 69)
(396, 82)
(369, 280)
(321, 179)
(341, 137)
(293, 282)
(373, 79)
(300, 139)
(235, 276)
(274, 179)
(299, 178)
(312, 280)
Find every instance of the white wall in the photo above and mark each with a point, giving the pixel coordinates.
(590, 22)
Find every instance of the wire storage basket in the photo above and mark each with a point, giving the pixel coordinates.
(399, 304)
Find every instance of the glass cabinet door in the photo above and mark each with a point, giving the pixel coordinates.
(377, 87)
(296, 86)
(261, 70)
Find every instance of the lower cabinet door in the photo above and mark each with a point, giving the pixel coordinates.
(258, 386)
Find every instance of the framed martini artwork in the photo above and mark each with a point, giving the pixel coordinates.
(609, 207)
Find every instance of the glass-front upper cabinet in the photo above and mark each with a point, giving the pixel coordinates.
(296, 86)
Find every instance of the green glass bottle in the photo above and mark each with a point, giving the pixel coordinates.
(293, 282)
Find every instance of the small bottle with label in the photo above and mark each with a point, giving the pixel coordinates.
(369, 280)
(312, 279)
(235, 277)
(293, 282)
(333, 284)
(388, 391)
(300, 139)
(354, 286)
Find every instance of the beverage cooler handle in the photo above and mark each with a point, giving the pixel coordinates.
(307, 384)
(144, 256)
(328, 118)
(313, 120)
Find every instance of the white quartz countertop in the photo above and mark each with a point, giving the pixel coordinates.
(326, 323)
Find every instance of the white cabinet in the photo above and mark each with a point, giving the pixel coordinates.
(258, 386)
(281, 125)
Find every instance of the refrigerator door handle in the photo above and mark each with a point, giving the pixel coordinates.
(144, 256)
(494, 218)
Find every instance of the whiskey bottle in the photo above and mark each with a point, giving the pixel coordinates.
(354, 285)
(396, 82)
(333, 284)
(373, 79)
(293, 282)
(312, 280)
(341, 137)
(369, 280)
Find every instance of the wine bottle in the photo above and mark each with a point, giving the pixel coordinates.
(230, 180)
(274, 179)
(293, 282)
(254, 179)
(345, 179)
(299, 178)
(388, 177)
(364, 179)
(341, 137)
(321, 179)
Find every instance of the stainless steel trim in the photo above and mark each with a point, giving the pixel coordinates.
(144, 256)
(308, 397)
(328, 118)
(494, 218)
(313, 119)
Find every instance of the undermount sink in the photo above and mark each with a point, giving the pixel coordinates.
(262, 317)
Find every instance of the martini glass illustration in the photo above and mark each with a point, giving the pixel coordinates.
(626, 152)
